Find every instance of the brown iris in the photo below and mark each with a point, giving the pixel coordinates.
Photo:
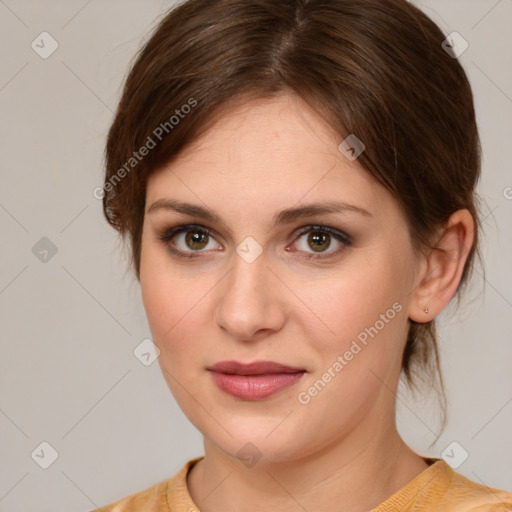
(319, 240)
(197, 238)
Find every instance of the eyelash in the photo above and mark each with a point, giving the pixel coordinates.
(167, 236)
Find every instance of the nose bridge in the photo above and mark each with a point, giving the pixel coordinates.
(247, 304)
(246, 279)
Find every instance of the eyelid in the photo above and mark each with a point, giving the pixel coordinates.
(320, 227)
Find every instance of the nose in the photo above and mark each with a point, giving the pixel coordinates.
(250, 304)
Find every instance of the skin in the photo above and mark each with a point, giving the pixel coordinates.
(340, 451)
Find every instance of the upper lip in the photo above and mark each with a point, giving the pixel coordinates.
(255, 368)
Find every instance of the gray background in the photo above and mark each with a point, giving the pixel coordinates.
(69, 325)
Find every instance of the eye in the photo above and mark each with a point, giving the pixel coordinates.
(320, 239)
(194, 238)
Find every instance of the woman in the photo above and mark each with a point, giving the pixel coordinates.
(297, 180)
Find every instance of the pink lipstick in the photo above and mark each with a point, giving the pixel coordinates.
(254, 381)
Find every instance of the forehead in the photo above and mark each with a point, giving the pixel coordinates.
(266, 153)
(284, 122)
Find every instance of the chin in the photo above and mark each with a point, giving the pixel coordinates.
(255, 440)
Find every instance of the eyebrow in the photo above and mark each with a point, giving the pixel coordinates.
(284, 217)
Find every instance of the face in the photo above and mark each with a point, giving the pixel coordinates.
(323, 292)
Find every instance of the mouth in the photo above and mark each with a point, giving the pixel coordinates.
(256, 368)
(254, 381)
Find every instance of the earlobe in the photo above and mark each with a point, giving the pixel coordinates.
(442, 268)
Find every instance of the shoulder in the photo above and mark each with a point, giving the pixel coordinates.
(470, 496)
(441, 489)
(152, 499)
(165, 496)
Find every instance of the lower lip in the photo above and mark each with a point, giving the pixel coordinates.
(255, 387)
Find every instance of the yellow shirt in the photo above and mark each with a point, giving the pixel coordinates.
(436, 489)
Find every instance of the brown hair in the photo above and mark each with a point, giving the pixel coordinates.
(374, 68)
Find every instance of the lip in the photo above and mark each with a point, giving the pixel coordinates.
(255, 368)
(254, 381)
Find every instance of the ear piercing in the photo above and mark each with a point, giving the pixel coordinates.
(426, 310)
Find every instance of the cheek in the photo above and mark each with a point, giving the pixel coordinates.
(175, 300)
(347, 303)
(174, 310)
(368, 319)
(168, 306)
(162, 295)
(359, 341)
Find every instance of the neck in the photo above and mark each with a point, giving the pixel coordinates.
(356, 472)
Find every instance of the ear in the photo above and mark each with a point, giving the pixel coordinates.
(442, 267)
